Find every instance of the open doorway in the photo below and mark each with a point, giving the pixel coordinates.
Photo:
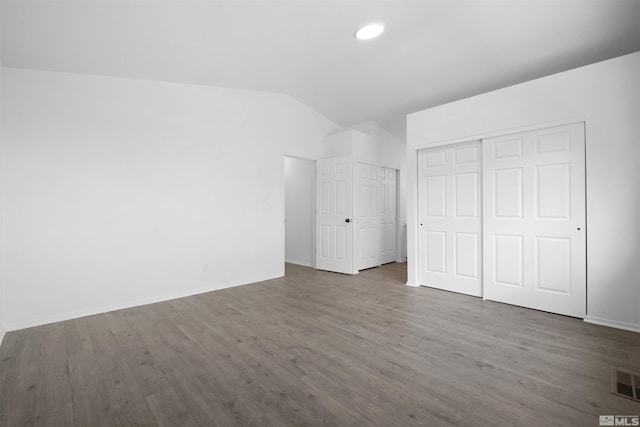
(299, 211)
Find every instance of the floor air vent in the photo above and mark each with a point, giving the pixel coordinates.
(625, 384)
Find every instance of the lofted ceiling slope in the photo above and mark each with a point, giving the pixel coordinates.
(432, 51)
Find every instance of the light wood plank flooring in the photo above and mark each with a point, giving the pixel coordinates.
(316, 348)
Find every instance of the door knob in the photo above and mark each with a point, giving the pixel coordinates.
(347, 220)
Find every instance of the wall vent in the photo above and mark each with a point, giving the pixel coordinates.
(625, 383)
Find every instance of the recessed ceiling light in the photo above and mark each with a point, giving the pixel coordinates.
(369, 32)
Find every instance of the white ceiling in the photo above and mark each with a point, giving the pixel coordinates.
(432, 52)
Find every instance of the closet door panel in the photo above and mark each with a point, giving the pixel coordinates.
(449, 205)
(534, 219)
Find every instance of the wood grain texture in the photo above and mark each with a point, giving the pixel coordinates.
(316, 348)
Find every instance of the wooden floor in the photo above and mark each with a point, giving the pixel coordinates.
(316, 348)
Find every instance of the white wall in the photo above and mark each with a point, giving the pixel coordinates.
(382, 148)
(2, 328)
(120, 192)
(339, 144)
(299, 210)
(606, 96)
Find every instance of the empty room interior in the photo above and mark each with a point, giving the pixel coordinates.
(340, 213)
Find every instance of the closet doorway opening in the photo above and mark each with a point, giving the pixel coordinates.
(299, 211)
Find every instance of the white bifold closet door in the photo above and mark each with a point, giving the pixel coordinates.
(375, 216)
(534, 219)
(367, 216)
(387, 215)
(449, 211)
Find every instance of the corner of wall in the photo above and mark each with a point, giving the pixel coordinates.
(2, 331)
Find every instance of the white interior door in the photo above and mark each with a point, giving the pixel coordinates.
(367, 216)
(387, 215)
(449, 214)
(334, 206)
(534, 219)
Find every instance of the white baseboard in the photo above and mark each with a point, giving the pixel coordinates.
(61, 317)
(295, 261)
(413, 284)
(612, 323)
